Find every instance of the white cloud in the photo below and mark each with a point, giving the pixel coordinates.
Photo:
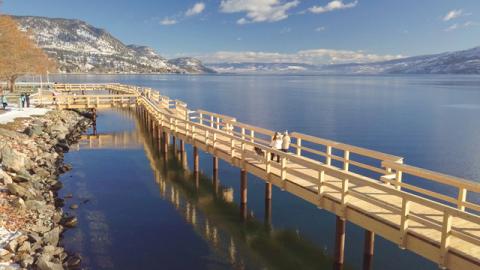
(457, 26)
(452, 14)
(196, 9)
(168, 21)
(315, 56)
(333, 5)
(320, 29)
(258, 10)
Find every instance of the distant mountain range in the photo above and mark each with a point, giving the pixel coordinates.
(460, 62)
(81, 48)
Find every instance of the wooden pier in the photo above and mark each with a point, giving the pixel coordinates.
(373, 190)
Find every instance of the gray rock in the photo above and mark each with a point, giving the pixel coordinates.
(12, 160)
(43, 263)
(12, 134)
(5, 178)
(24, 248)
(4, 252)
(26, 261)
(69, 222)
(22, 177)
(11, 246)
(74, 206)
(19, 190)
(52, 237)
(35, 205)
(19, 202)
(34, 130)
(73, 261)
(34, 237)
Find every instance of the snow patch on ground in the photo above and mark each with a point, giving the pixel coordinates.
(13, 112)
(5, 237)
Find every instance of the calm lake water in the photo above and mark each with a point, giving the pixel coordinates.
(140, 211)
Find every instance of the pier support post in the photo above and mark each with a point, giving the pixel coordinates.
(215, 164)
(164, 143)
(268, 205)
(368, 249)
(243, 194)
(243, 186)
(94, 120)
(339, 241)
(182, 146)
(215, 174)
(195, 159)
(174, 144)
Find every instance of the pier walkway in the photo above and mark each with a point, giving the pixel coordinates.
(373, 190)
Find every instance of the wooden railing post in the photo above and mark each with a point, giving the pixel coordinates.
(328, 159)
(283, 171)
(267, 163)
(321, 180)
(252, 135)
(398, 179)
(445, 238)
(232, 148)
(462, 197)
(346, 158)
(404, 220)
(299, 146)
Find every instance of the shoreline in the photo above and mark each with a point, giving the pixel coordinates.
(31, 215)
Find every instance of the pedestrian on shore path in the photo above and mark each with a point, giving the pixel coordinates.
(22, 101)
(4, 102)
(27, 97)
(286, 142)
(276, 144)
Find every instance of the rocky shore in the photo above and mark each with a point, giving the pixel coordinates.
(31, 217)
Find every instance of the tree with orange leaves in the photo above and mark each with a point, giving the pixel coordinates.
(19, 55)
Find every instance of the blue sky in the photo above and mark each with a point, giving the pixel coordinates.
(277, 30)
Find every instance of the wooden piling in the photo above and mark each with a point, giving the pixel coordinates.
(339, 241)
(195, 159)
(182, 146)
(268, 191)
(368, 249)
(215, 163)
(164, 143)
(243, 186)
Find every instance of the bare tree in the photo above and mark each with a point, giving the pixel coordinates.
(19, 54)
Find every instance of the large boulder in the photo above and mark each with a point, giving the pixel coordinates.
(34, 130)
(5, 178)
(43, 263)
(18, 190)
(12, 160)
(52, 237)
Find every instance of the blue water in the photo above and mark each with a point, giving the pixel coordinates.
(431, 121)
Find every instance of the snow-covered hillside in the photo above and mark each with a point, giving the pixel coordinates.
(460, 62)
(80, 47)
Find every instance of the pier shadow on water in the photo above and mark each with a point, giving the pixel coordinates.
(180, 220)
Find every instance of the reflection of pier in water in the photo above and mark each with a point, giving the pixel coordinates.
(209, 208)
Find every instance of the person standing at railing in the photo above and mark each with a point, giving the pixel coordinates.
(286, 142)
(276, 144)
